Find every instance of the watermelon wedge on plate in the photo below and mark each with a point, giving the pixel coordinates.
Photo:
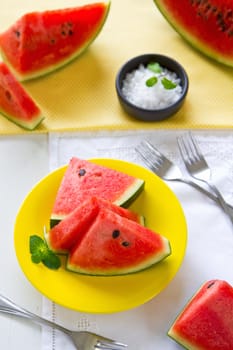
(40, 42)
(84, 179)
(114, 245)
(62, 236)
(206, 323)
(15, 102)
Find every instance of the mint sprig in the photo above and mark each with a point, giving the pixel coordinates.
(156, 68)
(40, 252)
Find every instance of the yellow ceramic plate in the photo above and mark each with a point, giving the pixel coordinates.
(163, 214)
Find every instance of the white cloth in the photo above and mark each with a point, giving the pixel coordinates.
(209, 252)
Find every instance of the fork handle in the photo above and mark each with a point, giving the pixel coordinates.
(221, 200)
(207, 193)
(9, 307)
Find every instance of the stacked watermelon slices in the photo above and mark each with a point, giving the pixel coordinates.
(99, 236)
(37, 44)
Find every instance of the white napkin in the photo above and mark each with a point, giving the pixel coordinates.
(210, 236)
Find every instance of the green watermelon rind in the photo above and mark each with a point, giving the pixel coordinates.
(57, 66)
(129, 196)
(37, 120)
(127, 271)
(192, 40)
(181, 341)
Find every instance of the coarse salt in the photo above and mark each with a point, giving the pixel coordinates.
(138, 93)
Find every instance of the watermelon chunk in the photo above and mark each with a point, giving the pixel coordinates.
(206, 323)
(67, 232)
(84, 179)
(205, 24)
(40, 42)
(15, 102)
(115, 245)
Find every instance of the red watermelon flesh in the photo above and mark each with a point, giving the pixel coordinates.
(206, 323)
(205, 24)
(15, 102)
(69, 231)
(114, 245)
(84, 179)
(40, 42)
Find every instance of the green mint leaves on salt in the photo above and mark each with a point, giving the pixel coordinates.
(168, 84)
(152, 81)
(156, 68)
(40, 252)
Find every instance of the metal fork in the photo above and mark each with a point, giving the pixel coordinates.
(82, 340)
(166, 169)
(198, 167)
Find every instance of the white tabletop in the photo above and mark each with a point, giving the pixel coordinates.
(24, 160)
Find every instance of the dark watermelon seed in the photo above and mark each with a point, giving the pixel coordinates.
(17, 33)
(8, 95)
(115, 234)
(210, 285)
(125, 244)
(82, 172)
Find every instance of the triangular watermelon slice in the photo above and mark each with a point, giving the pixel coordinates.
(114, 245)
(40, 42)
(67, 232)
(84, 179)
(15, 102)
(206, 323)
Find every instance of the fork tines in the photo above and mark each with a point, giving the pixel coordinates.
(150, 154)
(189, 148)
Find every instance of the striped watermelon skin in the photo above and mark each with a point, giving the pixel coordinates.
(40, 42)
(84, 179)
(206, 323)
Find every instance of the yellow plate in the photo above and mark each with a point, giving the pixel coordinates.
(163, 214)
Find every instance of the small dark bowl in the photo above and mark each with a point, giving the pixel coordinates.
(151, 114)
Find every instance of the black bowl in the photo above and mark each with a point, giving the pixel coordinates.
(151, 114)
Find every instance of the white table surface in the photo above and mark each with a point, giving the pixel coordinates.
(24, 161)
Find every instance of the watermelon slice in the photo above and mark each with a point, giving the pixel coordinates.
(84, 179)
(206, 24)
(206, 323)
(115, 245)
(70, 230)
(15, 103)
(40, 42)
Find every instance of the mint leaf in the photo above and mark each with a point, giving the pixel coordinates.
(40, 252)
(168, 84)
(151, 81)
(51, 260)
(154, 67)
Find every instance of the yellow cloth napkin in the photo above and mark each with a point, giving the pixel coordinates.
(81, 95)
